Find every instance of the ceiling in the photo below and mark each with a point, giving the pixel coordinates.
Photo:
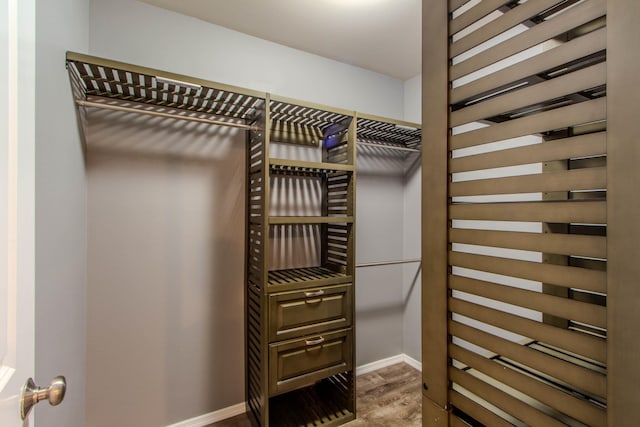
(380, 35)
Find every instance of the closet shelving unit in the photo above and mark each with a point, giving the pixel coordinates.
(299, 310)
(300, 333)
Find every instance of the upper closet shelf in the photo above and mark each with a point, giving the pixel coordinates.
(297, 122)
(102, 83)
(386, 133)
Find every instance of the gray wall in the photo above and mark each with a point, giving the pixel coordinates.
(165, 281)
(166, 270)
(60, 212)
(379, 305)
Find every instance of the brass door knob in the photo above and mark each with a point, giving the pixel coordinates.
(32, 394)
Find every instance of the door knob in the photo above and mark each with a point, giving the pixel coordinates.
(32, 394)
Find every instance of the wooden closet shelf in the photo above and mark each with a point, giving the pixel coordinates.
(311, 276)
(305, 114)
(325, 404)
(295, 166)
(372, 130)
(163, 91)
(278, 220)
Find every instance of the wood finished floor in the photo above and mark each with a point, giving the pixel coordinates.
(387, 397)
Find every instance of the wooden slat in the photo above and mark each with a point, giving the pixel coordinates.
(455, 4)
(474, 14)
(567, 52)
(562, 338)
(477, 411)
(516, 408)
(560, 275)
(578, 15)
(593, 144)
(567, 84)
(98, 79)
(510, 19)
(581, 212)
(571, 309)
(570, 180)
(584, 112)
(561, 401)
(577, 376)
(560, 244)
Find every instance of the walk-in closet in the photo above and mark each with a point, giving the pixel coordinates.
(234, 228)
(209, 227)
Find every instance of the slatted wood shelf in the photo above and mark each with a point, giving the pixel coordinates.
(303, 123)
(328, 403)
(296, 167)
(276, 220)
(97, 77)
(303, 113)
(309, 276)
(388, 133)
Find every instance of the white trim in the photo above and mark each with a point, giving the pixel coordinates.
(232, 411)
(212, 417)
(379, 364)
(412, 362)
(383, 363)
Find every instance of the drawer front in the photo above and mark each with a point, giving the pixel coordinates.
(299, 363)
(300, 313)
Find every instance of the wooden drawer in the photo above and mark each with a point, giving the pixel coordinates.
(299, 363)
(300, 313)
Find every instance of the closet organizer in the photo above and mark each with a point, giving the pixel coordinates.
(300, 226)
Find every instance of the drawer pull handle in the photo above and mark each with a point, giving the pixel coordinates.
(316, 341)
(314, 293)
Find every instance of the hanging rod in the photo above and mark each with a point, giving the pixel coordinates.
(159, 114)
(373, 264)
(391, 147)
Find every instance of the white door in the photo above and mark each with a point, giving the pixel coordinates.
(17, 160)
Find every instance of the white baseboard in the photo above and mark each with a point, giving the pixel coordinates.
(212, 417)
(383, 363)
(379, 364)
(232, 411)
(412, 362)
